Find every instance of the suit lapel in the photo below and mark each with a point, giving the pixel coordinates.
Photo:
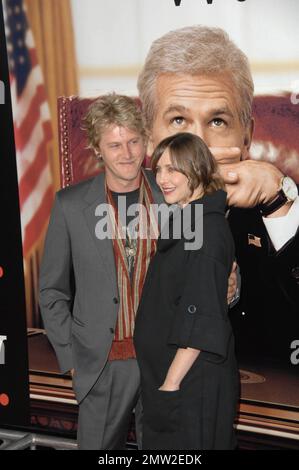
(94, 196)
(156, 192)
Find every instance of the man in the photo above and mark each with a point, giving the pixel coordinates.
(90, 285)
(196, 80)
(85, 296)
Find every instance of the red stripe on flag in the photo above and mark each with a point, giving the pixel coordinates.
(33, 57)
(47, 126)
(32, 175)
(37, 223)
(23, 132)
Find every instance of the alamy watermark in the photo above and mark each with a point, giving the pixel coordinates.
(295, 353)
(169, 221)
(295, 92)
(2, 349)
(2, 92)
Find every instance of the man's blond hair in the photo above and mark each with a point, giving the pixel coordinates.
(112, 109)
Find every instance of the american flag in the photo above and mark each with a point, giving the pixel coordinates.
(32, 125)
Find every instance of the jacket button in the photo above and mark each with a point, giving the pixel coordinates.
(295, 274)
(115, 300)
(111, 330)
(192, 309)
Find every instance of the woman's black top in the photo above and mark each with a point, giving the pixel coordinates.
(184, 304)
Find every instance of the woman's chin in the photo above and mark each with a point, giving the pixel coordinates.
(170, 200)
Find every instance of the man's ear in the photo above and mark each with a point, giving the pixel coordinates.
(97, 148)
(248, 134)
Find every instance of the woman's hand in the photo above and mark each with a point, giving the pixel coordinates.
(181, 364)
(166, 387)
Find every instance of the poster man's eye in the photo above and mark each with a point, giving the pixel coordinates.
(177, 120)
(218, 122)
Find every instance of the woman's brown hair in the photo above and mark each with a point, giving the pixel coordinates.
(191, 157)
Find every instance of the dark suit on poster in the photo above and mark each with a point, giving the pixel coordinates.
(266, 319)
(79, 296)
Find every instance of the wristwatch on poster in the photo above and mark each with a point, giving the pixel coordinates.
(287, 192)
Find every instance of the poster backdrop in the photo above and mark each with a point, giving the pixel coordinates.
(111, 49)
(112, 40)
(14, 390)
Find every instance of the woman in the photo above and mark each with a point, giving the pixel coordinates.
(183, 338)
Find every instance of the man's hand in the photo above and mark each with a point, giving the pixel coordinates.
(226, 155)
(72, 371)
(249, 183)
(232, 283)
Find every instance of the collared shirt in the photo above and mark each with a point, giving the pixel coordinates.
(282, 229)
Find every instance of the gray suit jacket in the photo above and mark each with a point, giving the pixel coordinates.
(79, 297)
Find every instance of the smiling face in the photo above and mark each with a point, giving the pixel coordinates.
(122, 151)
(207, 106)
(173, 184)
